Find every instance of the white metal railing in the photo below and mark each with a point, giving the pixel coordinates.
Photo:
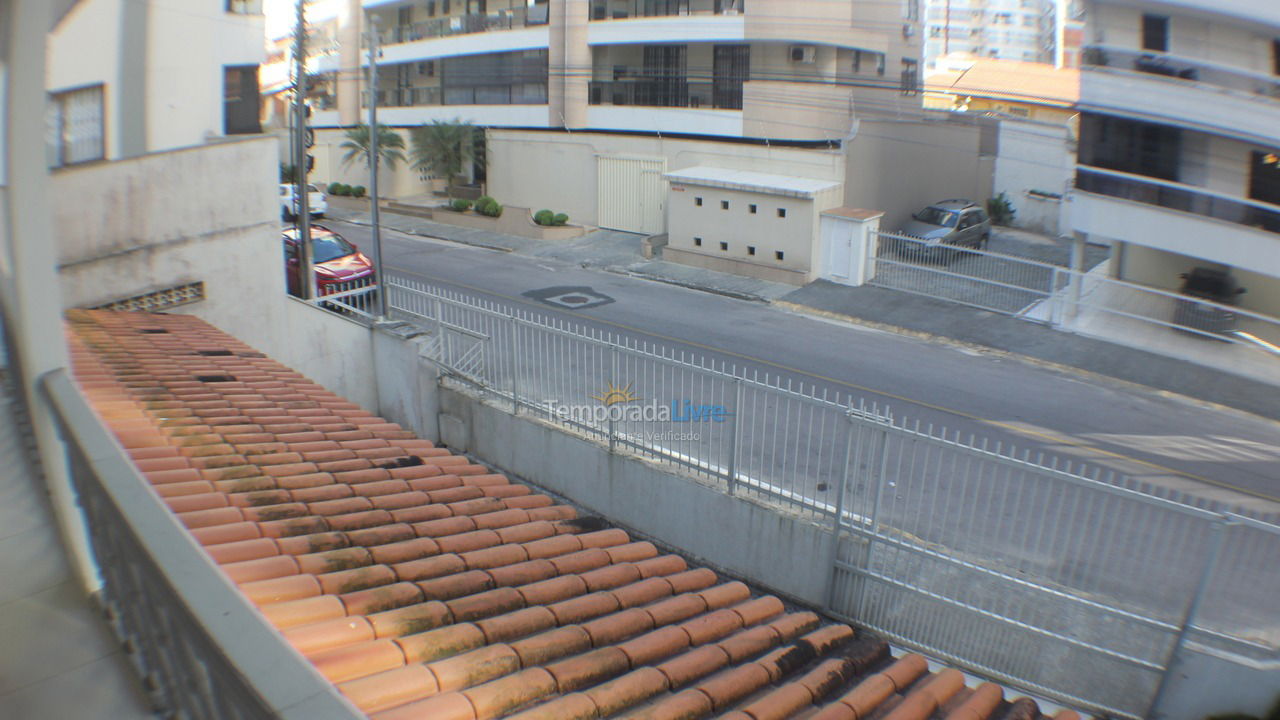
(357, 297)
(1062, 297)
(987, 556)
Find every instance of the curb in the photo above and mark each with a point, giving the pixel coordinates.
(734, 294)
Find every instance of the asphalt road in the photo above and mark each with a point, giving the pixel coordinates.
(1216, 453)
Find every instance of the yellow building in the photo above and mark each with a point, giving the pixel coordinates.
(1005, 88)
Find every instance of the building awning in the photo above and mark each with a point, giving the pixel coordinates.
(748, 181)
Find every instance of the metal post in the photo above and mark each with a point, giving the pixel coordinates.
(302, 210)
(613, 435)
(1076, 277)
(1218, 533)
(877, 486)
(373, 162)
(736, 437)
(838, 518)
(515, 366)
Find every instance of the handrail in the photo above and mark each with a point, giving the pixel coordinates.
(1178, 196)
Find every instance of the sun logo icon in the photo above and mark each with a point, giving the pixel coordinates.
(615, 395)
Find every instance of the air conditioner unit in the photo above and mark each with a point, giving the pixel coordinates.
(804, 54)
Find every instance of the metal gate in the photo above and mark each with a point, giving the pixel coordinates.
(631, 193)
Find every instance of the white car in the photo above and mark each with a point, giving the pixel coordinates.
(316, 201)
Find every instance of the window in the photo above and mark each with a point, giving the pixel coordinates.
(724, 204)
(857, 61)
(431, 8)
(74, 131)
(777, 254)
(751, 249)
(751, 208)
(911, 10)
(880, 64)
(1275, 55)
(724, 246)
(697, 202)
(444, 7)
(697, 242)
(782, 212)
(910, 76)
(240, 100)
(1155, 33)
(1130, 146)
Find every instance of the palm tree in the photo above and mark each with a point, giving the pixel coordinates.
(390, 146)
(446, 148)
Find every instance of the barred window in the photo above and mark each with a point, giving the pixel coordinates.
(74, 127)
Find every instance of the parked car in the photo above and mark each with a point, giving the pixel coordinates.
(339, 265)
(1218, 288)
(943, 225)
(316, 202)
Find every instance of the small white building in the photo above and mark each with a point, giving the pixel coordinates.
(748, 223)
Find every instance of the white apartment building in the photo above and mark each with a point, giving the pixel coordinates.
(1024, 30)
(1179, 152)
(589, 103)
(128, 77)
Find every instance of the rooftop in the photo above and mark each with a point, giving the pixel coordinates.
(423, 584)
(1010, 80)
(747, 181)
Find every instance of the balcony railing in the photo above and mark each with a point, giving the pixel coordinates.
(1176, 196)
(626, 9)
(1181, 68)
(515, 94)
(650, 92)
(465, 24)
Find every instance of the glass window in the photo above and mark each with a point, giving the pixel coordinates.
(910, 76)
(937, 216)
(74, 127)
(724, 204)
(1155, 33)
(329, 247)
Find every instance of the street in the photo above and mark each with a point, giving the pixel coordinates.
(1215, 453)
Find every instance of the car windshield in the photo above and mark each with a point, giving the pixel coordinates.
(312, 188)
(329, 247)
(937, 216)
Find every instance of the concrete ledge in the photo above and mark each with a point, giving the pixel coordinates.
(737, 267)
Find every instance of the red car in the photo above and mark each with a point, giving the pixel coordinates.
(339, 265)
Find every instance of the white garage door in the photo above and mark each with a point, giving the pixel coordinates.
(631, 193)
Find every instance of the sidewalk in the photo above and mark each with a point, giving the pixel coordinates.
(1249, 389)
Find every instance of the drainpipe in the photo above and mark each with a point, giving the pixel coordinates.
(35, 310)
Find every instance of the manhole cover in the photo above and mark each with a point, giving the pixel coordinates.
(570, 298)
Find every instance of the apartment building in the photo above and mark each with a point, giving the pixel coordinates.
(1024, 30)
(1179, 153)
(574, 92)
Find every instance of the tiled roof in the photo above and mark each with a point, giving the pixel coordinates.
(1011, 80)
(424, 585)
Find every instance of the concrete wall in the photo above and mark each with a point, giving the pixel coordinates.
(328, 348)
(1035, 156)
(202, 214)
(1205, 683)
(901, 167)
(764, 231)
(780, 552)
(558, 170)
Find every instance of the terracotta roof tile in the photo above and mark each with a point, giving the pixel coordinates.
(426, 585)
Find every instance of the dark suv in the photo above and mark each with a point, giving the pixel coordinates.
(953, 223)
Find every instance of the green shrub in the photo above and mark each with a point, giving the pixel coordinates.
(544, 217)
(560, 219)
(357, 191)
(460, 205)
(339, 189)
(488, 207)
(1000, 210)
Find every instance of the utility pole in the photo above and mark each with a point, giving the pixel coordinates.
(373, 163)
(302, 210)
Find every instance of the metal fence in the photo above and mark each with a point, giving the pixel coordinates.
(1057, 296)
(357, 298)
(1056, 578)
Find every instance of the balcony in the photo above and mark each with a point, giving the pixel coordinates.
(512, 19)
(1175, 217)
(514, 94)
(627, 9)
(662, 92)
(1169, 90)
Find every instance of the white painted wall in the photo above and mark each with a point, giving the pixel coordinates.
(1035, 156)
(558, 170)
(85, 51)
